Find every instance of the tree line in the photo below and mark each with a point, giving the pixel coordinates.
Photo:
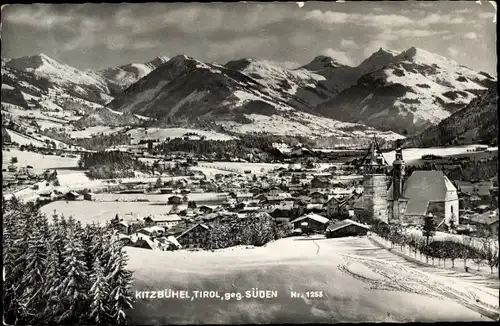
(465, 170)
(253, 230)
(110, 164)
(96, 142)
(221, 149)
(61, 272)
(450, 248)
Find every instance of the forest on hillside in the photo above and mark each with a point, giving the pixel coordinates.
(110, 164)
(476, 123)
(259, 146)
(60, 272)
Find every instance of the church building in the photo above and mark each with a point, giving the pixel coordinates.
(396, 198)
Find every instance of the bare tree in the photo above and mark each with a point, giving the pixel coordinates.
(452, 251)
(490, 252)
(465, 250)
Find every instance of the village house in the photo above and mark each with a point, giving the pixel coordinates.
(165, 221)
(72, 195)
(341, 207)
(318, 197)
(310, 223)
(174, 200)
(195, 237)
(320, 182)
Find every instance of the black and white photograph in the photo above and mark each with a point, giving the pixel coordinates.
(229, 163)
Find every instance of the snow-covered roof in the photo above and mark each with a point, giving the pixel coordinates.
(344, 223)
(312, 216)
(152, 229)
(188, 230)
(423, 187)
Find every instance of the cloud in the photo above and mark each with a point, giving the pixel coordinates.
(447, 37)
(232, 48)
(348, 44)
(441, 19)
(335, 17)
(453, 52)
(39, 16)
(471, 36)
(340, 56)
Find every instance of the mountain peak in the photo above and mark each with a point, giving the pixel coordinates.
(321, 62)
(158, 61)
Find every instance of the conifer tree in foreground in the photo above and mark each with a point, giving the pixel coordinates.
(47, 275)
(120, 282)
(73, 288)
(99, 306)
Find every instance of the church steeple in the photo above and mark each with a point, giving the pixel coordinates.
(398, 172)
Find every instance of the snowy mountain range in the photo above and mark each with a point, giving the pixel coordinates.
(407, 92)
(476, 123)
(403, 92)
(120, 78)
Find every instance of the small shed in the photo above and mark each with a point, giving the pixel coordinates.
(87, 196)
(346, 228)
(310, 223)
(72, 195)
(172, 200)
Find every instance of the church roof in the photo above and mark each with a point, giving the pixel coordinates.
(423, 187)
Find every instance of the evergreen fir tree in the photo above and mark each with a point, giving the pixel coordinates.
(34, 276)
(120, 282)
(99, 293)
(73, 288)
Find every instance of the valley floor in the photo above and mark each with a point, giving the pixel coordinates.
(360, 282)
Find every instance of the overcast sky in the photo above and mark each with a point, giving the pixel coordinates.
(106, 35)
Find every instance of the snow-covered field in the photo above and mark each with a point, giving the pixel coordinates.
(303, 124)
(88, 132)
(100, 212)
(162, 198)
(355, 288)
(241, 167)
(162, 133)
(38, 161)
(414, 154)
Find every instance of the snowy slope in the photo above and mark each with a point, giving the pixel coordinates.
(354, 288)
(243, 96)
(297, 87)
(477, 122)
(122, 77)
(87, 85)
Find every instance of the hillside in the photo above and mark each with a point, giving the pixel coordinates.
(107, 117)
(120, 78)
(409, 92)
(477, 122)
(63, 78)
(185, 88)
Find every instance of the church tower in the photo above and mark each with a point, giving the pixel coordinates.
(375, 183)
(398, 173)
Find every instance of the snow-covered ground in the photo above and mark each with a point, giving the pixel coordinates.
(88, 132)
(162, 198)
(354, 288)
(303, 124)
(101, 212)
(162, 133)
(414, 154)
(241, 167)
(38, 161)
